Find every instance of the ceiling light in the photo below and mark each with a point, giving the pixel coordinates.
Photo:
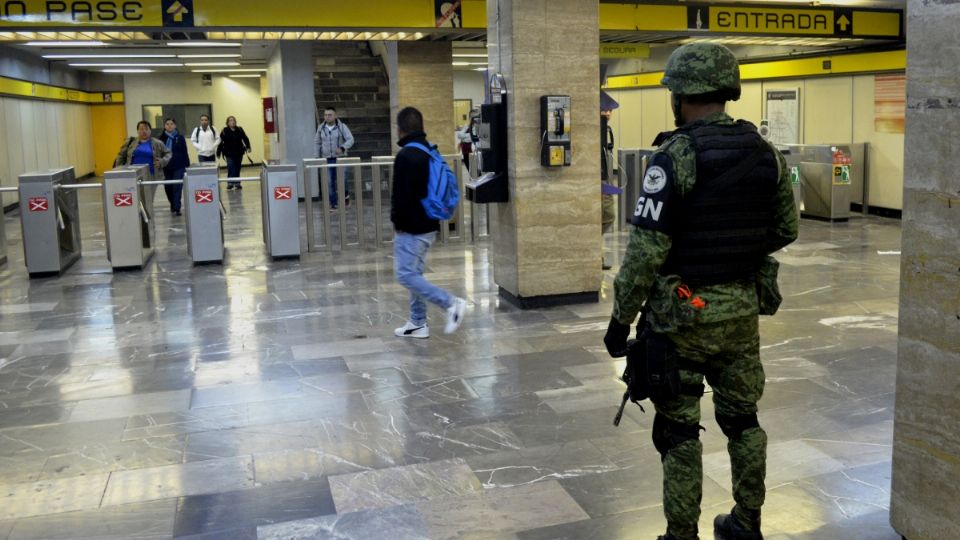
(201, 44)
(79, 56)
(127, 71)
(130, 65)
(228, 70)
(469, 55)
(87, 43)
(480, 69)
(241, 76)
(211, 64)
(229, 55)
(461, 63)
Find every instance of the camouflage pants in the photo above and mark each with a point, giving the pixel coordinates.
(730, 352)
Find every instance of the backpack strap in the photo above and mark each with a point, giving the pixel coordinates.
(420, 147)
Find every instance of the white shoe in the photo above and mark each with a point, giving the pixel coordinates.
(455, 315)
(411, 330)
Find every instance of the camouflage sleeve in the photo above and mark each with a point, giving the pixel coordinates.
(784, 211)
(649, 244)
(646, 253)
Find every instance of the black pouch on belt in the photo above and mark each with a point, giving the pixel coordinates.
(663, 370)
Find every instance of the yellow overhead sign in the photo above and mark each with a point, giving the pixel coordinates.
(16, 87)
(429, 15)
(624, 50)
(72, 13)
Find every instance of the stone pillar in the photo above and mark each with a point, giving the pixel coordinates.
(926, 441)
(421, 76)
(290, 80)
(546, 239)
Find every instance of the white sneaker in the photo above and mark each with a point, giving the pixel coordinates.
(411, 330)
(455, 315)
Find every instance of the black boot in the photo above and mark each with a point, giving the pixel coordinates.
(727, 527)
(667, 536)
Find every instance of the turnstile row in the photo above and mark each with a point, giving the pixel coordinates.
(50, 217)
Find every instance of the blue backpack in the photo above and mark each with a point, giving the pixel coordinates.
(443, 194)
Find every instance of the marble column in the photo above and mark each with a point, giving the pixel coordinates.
(925, 495)
(421, 76)
(546, 239)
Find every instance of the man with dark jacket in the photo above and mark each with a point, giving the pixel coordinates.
(415, 232)
(178, 164)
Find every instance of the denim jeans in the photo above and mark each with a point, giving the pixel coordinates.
(333, 183)
(233, 169)
(410, 253)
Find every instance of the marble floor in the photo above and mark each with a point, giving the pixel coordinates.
(270, 400)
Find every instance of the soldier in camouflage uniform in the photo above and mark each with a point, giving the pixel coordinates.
(716, 202)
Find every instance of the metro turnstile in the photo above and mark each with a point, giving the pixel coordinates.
(828, 189)
(128, 216)
(204, 214)
(281, 212)
(50, 221)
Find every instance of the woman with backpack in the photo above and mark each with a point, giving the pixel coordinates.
(233, 145)
(144, 150)
(180, 160)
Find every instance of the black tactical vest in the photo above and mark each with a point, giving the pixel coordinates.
(719, 233)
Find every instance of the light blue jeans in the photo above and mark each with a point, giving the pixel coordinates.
(410, 253)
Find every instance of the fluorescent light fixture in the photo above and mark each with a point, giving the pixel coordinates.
(130, 65)
(469, 55)
(228, 70)
(127, 71)
(480, 69)
(201, 44)
(245, 75)
(211, 64)
(461, 63)
(228, 55)
(91, 56)
(87, 43)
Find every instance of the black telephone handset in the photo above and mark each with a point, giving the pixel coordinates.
(558, 122)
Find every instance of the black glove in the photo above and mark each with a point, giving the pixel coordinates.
(616, 338)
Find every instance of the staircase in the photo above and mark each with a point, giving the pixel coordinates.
(348, 77)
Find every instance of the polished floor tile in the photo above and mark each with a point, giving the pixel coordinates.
(264, 399)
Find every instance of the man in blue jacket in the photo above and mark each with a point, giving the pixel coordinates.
(415, 232)
(179, 162)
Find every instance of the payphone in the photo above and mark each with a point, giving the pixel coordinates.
(555, 128)
(492, 186)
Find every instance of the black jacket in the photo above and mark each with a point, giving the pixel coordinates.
(180, 159)
(233, 143)
(411, 172)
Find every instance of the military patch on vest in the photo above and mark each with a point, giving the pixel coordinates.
(653, 206)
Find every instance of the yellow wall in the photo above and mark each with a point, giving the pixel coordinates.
(832, 110)
(109, 132)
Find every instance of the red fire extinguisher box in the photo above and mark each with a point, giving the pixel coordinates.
(269, 115)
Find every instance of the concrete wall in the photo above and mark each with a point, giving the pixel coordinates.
(926, 436)
(227, 96)
(290, 80)
(468, 85)
(832, 110)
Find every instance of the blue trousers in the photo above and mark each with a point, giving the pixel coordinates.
(174, 191)
(409, 254)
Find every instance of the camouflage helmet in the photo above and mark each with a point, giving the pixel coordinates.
(702, 68)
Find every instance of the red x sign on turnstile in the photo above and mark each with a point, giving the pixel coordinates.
(201, 196)
(39, 204)
(282, 193)
(123, 199)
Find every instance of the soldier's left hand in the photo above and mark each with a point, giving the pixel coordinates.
(616, 338)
